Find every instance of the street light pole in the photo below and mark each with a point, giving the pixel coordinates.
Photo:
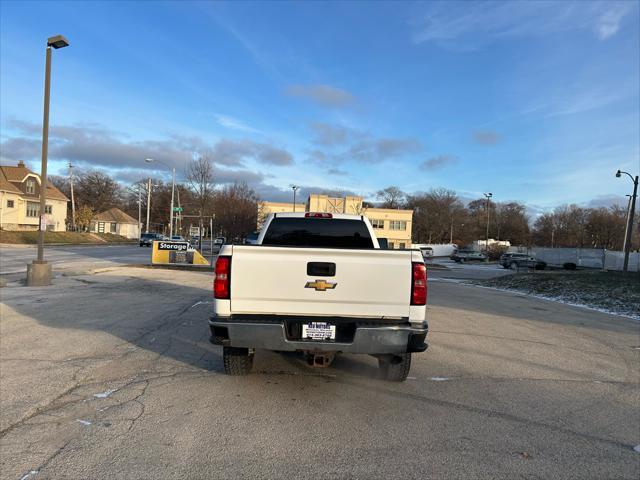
(39, 272)
(148, 202)
(632, 209)
(295, 188)
(486, 245)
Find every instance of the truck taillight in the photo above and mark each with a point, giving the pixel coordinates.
(317, 215)
(222, 280)
(418, 284)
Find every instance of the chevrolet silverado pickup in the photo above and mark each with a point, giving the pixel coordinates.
(318, 283)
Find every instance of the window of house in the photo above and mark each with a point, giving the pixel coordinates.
(377, 223)
(392, 245)
(9, 203)
(113, 227)
(402, 244)
(33, 209)
(48, 209)
(31, 186)
(100, 227)
(398, 225)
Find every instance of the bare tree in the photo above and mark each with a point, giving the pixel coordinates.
(236, 210)
(392, 197)
(98, 191)
(200, 178)
(438, 215)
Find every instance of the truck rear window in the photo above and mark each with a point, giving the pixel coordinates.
(317, 232)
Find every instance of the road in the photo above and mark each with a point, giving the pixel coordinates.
(14, 259)
(111, 376)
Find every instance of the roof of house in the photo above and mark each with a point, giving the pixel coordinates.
(114, 215)
(9, 175)
(6, 185)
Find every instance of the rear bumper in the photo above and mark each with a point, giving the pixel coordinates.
(364, 336)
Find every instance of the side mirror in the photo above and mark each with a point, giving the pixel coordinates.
(384, 243)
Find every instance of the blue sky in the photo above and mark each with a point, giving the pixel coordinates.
(534, 101)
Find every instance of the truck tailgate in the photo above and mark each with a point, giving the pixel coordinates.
(275, 280)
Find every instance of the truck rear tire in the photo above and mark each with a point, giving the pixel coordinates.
(395, 369)
(237, 361)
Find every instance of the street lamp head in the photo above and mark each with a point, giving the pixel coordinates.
(618, 174)
(57, 42)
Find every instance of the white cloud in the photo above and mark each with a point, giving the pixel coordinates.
(608, 23)
(233, 123)
(470, 25)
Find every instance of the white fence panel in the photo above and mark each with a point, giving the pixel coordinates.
(582, 257)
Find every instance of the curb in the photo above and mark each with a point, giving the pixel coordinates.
(196, 268)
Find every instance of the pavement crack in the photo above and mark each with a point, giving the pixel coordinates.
(485, 412)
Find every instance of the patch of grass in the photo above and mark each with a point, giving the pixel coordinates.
(31, 237)
(616, 292)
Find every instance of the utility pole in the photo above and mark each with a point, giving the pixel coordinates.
(173, 189)
(73, 203)
(451, 235)
(139, 213)
(211, 236)
(486, 245)
(178, 218)
(148, 202)
(631, 214)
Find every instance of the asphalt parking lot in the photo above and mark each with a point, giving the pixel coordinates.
(112, 375)
(71, 258)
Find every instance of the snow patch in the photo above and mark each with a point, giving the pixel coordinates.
(411, 378)
(439, 379)
(636, 448)
(105, 394)
(30, 474)
(83, 422)
(550, 298)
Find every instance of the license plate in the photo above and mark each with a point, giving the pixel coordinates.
(318, 331)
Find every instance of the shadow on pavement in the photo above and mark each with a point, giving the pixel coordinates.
(168, 319)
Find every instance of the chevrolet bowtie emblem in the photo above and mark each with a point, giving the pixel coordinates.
(321, 285)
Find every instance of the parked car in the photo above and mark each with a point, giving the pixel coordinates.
(251, 238)
(462, 256)
(521, 260)
(319, 292)
(427, 252)
(147, 239)
(178, 238)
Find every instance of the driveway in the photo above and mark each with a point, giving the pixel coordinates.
(112, 376)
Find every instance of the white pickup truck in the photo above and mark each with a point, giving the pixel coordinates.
(319, 283)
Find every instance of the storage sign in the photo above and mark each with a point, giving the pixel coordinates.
(175, 253)
(173, 246)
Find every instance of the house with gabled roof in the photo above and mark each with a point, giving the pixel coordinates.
(20, 200)
(115, 221)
